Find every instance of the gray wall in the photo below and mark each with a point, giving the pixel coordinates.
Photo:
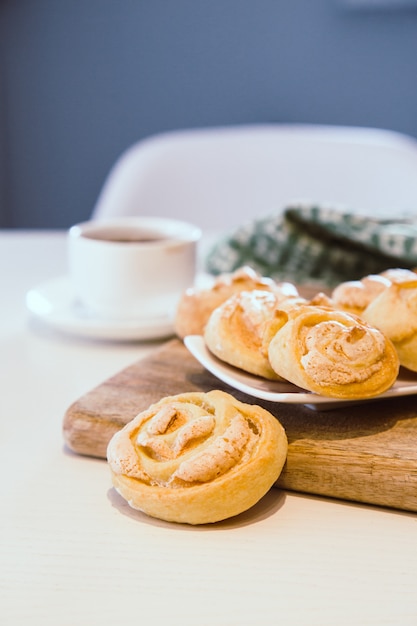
(81, 80)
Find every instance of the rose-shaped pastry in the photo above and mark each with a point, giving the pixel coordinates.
(197, 458)
(235, 330)
(332, 353)
(387, 301)
(355, 296)
(394, 312)
(197, 304)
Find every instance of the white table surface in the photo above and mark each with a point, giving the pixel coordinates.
(72, 553)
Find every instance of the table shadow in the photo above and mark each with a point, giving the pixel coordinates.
(268, 505)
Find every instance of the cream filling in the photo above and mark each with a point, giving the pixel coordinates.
(184, 444)
(337, 354)
(220, 456)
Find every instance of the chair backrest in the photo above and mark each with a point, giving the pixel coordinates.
(221, 177)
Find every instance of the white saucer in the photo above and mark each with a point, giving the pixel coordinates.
(54, 303)
(275, 391)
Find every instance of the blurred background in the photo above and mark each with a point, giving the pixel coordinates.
(82, 81)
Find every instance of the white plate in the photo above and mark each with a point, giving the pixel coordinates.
(275, 391)
(54, 303)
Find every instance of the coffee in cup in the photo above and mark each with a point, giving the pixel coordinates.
(132, 267)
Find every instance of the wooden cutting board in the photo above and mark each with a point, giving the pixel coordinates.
(364, 453)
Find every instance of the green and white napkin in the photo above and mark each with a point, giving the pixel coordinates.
(316, 244)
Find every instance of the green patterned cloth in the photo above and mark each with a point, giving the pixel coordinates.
(317, 244)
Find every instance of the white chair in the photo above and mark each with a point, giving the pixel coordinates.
(221, 177)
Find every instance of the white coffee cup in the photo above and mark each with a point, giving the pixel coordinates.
(132, 267)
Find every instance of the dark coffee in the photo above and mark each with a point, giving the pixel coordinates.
(123, 235)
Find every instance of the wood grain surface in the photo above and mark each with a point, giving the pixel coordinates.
(365, 453)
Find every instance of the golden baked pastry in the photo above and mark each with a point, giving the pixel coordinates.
(394, 312)
(235, 331)
(399, 275)
(387, 301)
(356, 295)
(332, 353)
(197, 304)
(197, 458)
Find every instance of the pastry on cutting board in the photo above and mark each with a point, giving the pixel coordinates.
(332, 353)
(197, 304)
(197, 458)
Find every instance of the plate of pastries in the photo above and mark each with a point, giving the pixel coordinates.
(262, 337)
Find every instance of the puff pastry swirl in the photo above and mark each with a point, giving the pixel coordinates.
(235, 331)
(197, 458)
(387, 301)
(356, 295)
(332, 353)
(197, 304)
(394, 312)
